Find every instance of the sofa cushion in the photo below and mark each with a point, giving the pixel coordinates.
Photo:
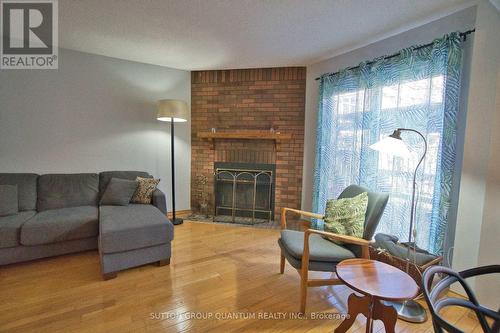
(135, 226)
(105, 177)
(119, 192)
(145, 189)
(9, 204)
(67, 190)
(59, 225)
(320, 249)
(26, 188)
(10, 228)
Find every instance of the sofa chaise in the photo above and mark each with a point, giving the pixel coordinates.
(60, 214)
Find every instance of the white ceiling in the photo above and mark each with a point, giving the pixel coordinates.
(218, 34)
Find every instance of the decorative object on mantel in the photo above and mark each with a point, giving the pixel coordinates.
(244, 134)
(408, 310)
(174, 111)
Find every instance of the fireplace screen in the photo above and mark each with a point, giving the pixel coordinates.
(244, 193)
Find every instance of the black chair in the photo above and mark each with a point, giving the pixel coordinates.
(436, 302)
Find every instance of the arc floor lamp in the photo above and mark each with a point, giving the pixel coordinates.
(174, 111)
(393, 144)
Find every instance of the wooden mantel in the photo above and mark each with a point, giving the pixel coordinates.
(245, 134)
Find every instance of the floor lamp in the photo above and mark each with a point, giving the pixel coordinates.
(408, 310)
(174, 111)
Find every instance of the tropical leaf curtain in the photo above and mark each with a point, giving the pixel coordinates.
(417, 89)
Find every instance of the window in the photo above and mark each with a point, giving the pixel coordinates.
(394, 174)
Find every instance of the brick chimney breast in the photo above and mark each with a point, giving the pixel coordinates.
(249, 99)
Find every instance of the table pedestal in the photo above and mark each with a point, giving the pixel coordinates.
(372, 309)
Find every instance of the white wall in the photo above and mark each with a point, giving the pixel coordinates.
(94, 114)
(488, 288)
(459, 21)
(477, 240)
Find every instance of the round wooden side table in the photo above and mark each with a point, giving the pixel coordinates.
(376, 281)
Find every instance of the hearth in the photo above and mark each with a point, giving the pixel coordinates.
(244, 192)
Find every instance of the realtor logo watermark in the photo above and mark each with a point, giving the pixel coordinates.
(29, 34)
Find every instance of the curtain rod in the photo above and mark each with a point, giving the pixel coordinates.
(462, 34)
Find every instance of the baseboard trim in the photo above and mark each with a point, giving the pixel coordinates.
(180, 213)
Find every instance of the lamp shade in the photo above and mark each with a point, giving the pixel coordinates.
(392, 146)
(172, 110)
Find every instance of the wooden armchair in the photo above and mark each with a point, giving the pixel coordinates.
(309, 251)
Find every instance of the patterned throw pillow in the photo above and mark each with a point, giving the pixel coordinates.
(346, 216)
(145, 189)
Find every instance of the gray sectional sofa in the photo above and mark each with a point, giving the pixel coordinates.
(60, 214)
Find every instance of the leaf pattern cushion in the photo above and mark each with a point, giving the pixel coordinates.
(346, 216)
(145, 189)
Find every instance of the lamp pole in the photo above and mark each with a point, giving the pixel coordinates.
(173, 110)
(412, 213)
(172, 126)
(410, 310)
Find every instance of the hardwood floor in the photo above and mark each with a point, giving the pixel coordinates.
(216, 270)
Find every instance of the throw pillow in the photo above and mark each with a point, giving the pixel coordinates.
(119, 192)
(346, 216)
(145, 189)
(9, 203)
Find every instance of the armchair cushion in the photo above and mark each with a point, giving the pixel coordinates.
(318, 266)
(320, 249)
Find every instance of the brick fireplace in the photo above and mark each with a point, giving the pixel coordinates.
(248, 101)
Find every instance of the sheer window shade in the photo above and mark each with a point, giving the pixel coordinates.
(418, 89)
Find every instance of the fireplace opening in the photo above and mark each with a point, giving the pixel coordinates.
(244, 192)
